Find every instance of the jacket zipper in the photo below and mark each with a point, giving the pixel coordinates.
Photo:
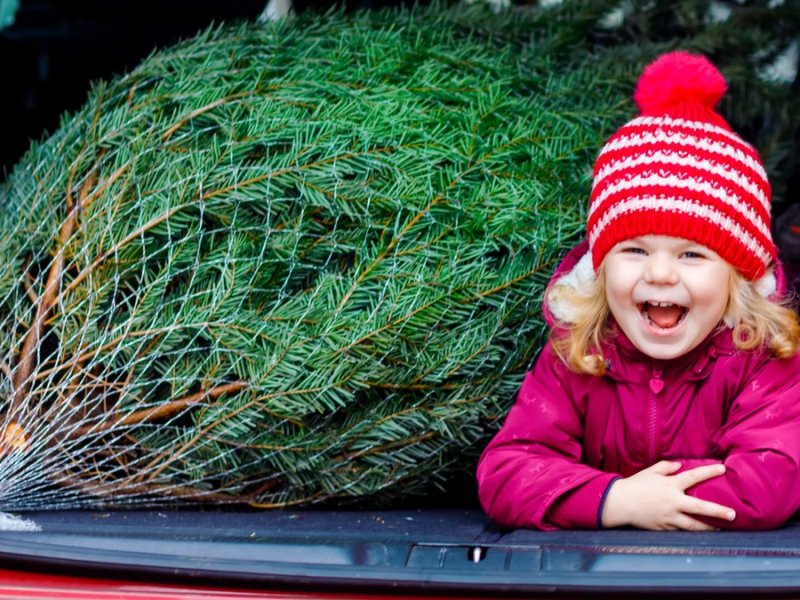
(656, 385)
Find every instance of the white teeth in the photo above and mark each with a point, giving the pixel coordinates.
(661, 304)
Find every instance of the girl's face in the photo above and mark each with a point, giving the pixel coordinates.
(667, 294)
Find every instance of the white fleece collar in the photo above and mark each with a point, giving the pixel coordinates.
(580, 278)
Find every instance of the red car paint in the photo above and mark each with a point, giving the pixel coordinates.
(22, 584)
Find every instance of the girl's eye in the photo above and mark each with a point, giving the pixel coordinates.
(634, 250)
(692, 255)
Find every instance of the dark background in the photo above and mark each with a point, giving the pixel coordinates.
(55, 48)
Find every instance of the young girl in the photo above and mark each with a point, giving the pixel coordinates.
(669, 394)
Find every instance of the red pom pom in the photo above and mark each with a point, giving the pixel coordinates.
(679, 77)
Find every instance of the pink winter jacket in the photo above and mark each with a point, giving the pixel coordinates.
(569, 436)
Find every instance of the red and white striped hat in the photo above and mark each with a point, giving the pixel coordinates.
(679, 170)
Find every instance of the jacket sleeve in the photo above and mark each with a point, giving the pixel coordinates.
(530, 474)
(760, 443)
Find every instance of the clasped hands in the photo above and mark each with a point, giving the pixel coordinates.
(655, 498)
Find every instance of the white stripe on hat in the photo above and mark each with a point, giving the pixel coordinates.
(639, 181)
(703, 126)
(705, 212)
(628, 139)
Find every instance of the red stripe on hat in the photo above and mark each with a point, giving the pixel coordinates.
(633, 224)
(698, 199)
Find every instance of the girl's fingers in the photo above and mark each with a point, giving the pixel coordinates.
(694, 476)
(687, 523)
(704, 508)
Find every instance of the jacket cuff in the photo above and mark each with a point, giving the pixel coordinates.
(603, 502)
(582, 508)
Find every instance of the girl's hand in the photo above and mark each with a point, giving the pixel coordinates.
(656, 499)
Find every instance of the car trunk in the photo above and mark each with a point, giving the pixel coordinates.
(410, 552)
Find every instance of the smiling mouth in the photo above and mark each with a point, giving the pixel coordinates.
(664, 315)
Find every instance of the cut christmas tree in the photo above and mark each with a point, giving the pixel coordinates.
(286, 263)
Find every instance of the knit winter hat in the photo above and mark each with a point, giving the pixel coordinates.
(677, 169)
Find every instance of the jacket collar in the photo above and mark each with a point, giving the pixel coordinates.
(625, 362)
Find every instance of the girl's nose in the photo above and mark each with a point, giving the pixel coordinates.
(661, 269)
